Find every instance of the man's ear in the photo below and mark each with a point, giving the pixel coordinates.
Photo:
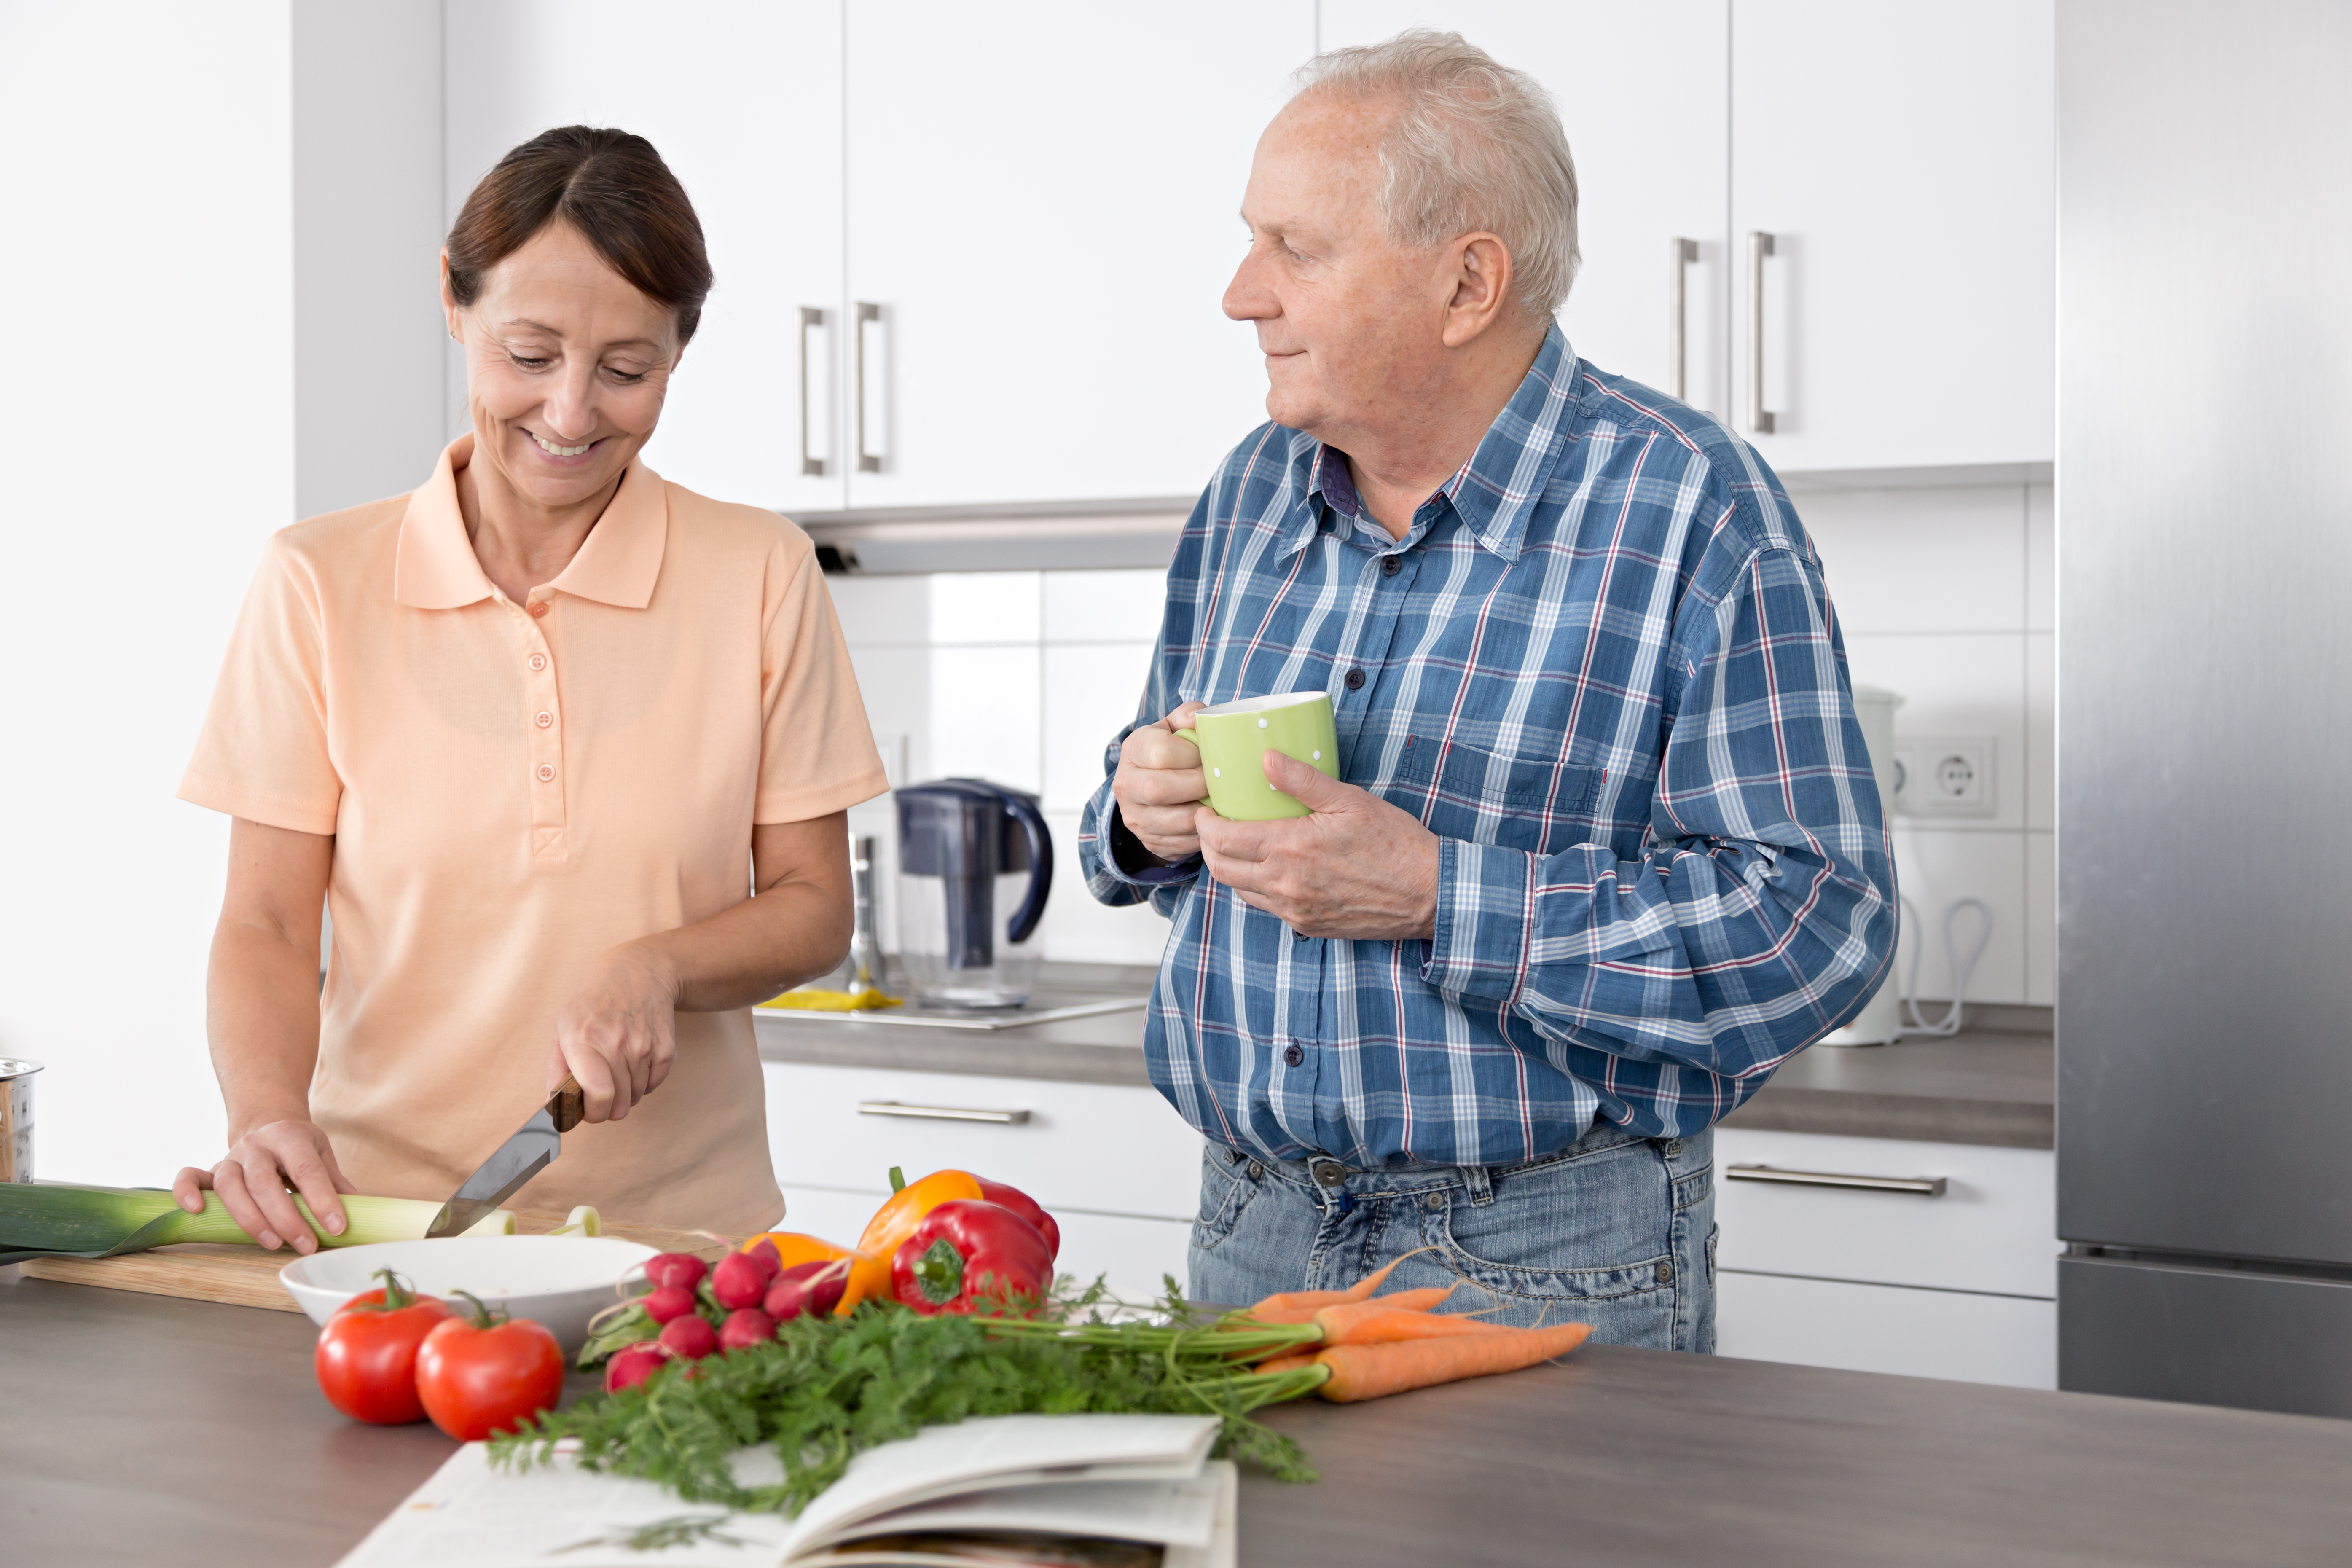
(1481, 288)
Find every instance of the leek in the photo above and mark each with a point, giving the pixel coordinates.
(45, 1219)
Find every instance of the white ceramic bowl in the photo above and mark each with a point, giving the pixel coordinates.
(558, 1281)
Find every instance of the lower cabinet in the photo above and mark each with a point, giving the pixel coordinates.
(1829, 1256)
(1117, 1167)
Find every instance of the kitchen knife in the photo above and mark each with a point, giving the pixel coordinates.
(516, 1160)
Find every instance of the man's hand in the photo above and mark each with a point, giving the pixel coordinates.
(1357, 868)
(1158, 786)
(619, 1036)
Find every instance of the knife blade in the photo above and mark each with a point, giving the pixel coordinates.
(533, 1147)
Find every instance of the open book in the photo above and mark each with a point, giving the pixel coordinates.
(1007, 1491)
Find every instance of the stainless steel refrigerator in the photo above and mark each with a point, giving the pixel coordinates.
(2205, 700)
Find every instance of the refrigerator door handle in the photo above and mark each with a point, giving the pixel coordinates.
(1923, 1187)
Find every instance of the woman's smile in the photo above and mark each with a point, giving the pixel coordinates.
(567, 455)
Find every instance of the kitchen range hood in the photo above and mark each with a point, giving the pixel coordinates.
(1019, 537)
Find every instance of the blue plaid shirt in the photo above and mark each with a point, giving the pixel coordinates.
(1603, 668)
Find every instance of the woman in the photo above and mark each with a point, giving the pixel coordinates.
(532, 732)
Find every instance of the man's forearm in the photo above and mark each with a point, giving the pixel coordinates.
(261, 1017)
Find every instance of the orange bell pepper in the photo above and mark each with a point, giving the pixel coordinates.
(904, 1209)
(869, 1276)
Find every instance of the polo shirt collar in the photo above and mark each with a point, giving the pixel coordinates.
(1495, 492)
(436, 567)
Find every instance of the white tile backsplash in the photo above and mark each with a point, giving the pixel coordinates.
(1943, 560)
(1091, 691)
(1943, 596)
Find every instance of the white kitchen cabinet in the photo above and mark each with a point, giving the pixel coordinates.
(1117, 1167)
(1883, 1328)
(1042, 215)
(1902, 159)
(742, 99)
(1960, 1285)
(1641, 94)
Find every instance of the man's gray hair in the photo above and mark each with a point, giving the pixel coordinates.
(1475, 145)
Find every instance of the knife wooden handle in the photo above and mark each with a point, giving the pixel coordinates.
(566, 1106)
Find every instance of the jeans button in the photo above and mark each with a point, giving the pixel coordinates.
(1665, 1273)
(1434, 1201)
(1674, 1149)
(1292, 1055)
(1256, 1170)
(1330, 1172)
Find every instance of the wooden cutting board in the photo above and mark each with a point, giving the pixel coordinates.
(248, 1276)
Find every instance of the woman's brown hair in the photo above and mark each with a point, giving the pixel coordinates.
(610, 186)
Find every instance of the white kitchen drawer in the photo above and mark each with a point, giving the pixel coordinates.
(1096, 1148)
(1886, 1327)
(1132, 1253)
(1993, 1229)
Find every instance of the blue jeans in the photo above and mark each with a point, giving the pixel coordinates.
(1616, 1230)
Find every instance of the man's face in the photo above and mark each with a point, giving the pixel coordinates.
(1348, 321)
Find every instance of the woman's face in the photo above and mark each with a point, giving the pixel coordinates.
(566, 367)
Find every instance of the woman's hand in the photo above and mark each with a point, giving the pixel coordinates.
(619, 1036)
(253, 1179)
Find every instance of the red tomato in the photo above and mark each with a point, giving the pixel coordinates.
(485, 1374)
(366, 1359)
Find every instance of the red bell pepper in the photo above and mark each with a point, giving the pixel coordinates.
(969, 1253)
(1028, 1207)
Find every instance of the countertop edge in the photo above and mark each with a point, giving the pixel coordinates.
(1992, 1123)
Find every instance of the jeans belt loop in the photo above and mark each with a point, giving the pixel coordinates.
(1481, 1185)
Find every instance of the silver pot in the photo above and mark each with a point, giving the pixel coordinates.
(16, 1119)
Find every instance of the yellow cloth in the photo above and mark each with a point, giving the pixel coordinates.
(815, 1000)
(512, 790)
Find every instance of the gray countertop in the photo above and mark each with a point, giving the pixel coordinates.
(137, 1429)
(1993, 1083)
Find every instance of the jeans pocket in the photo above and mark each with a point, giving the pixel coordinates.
(1226, 1188)
(1591, 1229)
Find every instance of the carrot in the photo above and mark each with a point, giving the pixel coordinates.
(1286, 1362)
(1300, 1306)
(1375, 1323)
(1368, 1371)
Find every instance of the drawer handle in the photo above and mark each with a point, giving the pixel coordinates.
(1925, 1186)
(940, 1112)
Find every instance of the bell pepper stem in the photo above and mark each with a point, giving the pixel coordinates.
(939, 1272)
(898, 1178)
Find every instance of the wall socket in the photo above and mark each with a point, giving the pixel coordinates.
(1944, 775)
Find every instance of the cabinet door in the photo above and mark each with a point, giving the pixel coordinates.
(1885, 1327)
(1640, 93)
(742, 99)
(1901, 158)
(1042, 209)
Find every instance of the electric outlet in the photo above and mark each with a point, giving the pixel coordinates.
(1944, 775)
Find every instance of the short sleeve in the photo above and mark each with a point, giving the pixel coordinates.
(816, 749)
(263, 751)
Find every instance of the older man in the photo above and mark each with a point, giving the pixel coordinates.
(1607, 850)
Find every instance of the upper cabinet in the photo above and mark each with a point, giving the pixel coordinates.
(742, 97)
(1641, 94)
(1893, 197)
(1043, 216)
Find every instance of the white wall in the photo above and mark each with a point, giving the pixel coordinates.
(368, 418)
(1945, 594)
(150, 409)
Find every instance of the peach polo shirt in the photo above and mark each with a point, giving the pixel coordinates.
(513, 789)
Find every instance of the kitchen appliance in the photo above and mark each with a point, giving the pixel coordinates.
(2204, 872)
(975, 865)
(534, 1147)
(16, 1119)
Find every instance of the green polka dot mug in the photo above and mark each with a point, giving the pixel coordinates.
(1233, 736)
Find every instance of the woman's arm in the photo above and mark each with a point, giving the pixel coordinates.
(619, 1035)
(262, 1016)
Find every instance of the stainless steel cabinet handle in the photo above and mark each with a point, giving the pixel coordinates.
(867, 463)
(1759, 245)
(1686, 251)
(810, 317)
(1925, 1186)
(940, 1112)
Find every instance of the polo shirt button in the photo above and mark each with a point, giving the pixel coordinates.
(538, 661)
(1292, 1055)
(546, 772)
(539, 609)
(1355, 681)
(544, 720)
